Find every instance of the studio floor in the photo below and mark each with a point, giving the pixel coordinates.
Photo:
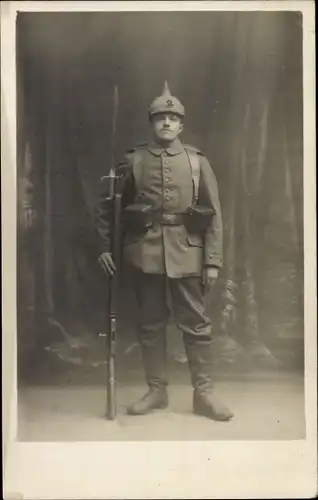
(266, 407)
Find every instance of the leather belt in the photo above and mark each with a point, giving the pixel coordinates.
(168, 219)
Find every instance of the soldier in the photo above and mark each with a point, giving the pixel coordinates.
(173, 239)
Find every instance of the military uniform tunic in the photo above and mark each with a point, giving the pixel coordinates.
(165, 182)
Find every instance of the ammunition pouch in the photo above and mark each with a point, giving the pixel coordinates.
(137, 218)
(198, 218)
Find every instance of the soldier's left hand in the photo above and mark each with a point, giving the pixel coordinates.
(209, 277)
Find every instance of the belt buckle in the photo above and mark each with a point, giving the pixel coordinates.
(169, 219)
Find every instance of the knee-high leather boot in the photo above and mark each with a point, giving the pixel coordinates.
(205, 403)
(154, 354)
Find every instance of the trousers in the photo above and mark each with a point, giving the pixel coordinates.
(187, 304)
(186, 298)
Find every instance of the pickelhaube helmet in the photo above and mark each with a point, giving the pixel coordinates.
(166, 103)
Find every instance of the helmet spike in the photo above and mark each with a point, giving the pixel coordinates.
(166, 90)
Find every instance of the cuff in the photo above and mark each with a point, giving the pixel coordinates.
(213, 260)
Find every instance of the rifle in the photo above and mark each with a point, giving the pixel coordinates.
(114, 197)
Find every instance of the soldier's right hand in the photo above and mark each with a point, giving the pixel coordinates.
(107, 263)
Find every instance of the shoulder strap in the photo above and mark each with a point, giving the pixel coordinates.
(195, 170)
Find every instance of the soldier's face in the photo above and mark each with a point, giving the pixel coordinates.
(166, 126)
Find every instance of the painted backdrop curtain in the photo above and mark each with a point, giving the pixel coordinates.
(239, 76)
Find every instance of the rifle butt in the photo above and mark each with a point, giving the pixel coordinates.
(111, 391)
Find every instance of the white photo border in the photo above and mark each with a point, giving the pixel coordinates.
(85, 470)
